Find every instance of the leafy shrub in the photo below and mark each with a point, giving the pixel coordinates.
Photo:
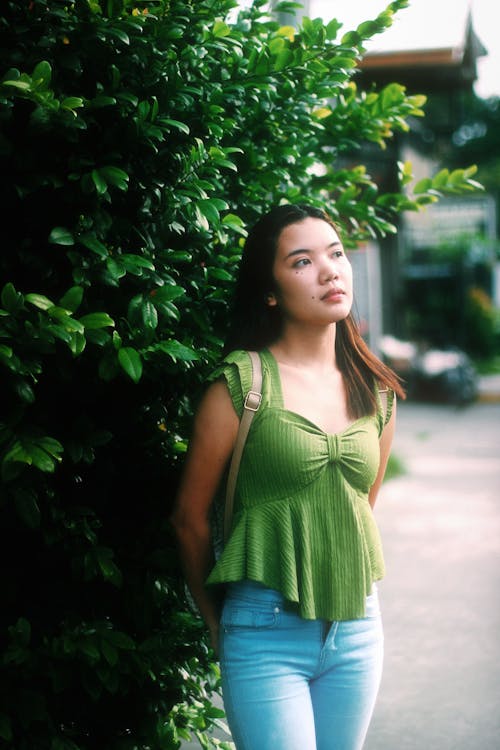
(135, 145)
(480, 324)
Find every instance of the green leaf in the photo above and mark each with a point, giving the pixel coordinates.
(28, 509)
(40, 301)
(92, 243)
(130, 360)
(42, 74)
(89, 648)
(282, 59)
(441, 179)
(121, 640)
(22, 85)
(96, 320)
(115, 176)
(167, 293)
(6, 352)
(457, 177)
(13, 460)
(100, 183)
(60, 332)
(277, 45)
(115, 269)
(178, 351)
(422, 186)
(235, 223)
(25, 392)
(221, 29)
(210, 210)
(119, 34)
(176, 124)
(149, 314)
(136, 262)
(110, 653)
(72, 299)
(109, 569)
(220, 273)
(77, 343)
(405, 172)
(61, 236)
(43, 453)
(332, 29)
(71, 103)
(11, 300)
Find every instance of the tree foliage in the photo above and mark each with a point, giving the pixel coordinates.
(136, 143)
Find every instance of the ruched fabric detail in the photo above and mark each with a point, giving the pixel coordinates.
(302, 522)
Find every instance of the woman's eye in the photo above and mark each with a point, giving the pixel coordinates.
(302, 262)
(338, 253)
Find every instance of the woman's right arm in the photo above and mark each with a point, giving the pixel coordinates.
(211, 445)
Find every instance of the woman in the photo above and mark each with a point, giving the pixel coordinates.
(299, 626)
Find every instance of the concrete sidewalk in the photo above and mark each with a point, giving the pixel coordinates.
(441, 529)
(440, 525)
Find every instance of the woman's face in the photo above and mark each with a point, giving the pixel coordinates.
(312, 274)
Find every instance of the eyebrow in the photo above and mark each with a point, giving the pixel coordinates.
(301, 250)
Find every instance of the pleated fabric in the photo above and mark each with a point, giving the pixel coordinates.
(302, 522)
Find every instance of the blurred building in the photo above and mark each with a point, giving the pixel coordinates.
(439, 252)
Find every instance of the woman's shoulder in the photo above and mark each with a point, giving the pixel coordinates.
(236, 370)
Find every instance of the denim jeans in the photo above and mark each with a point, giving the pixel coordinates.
(295, 684)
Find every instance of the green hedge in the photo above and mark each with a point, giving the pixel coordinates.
(136, 143)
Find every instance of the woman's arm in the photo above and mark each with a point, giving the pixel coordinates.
(215, 429)
(385, 450)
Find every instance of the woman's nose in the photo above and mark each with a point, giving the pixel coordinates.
(329, 271)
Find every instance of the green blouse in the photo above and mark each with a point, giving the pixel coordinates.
(302, 522)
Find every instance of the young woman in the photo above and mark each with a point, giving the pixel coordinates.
(298, 624)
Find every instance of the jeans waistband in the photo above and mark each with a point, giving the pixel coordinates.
(253, 590)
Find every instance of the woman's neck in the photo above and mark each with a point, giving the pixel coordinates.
(312, 348)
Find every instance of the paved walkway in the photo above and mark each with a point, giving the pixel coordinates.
(440, 525)
(441, 529)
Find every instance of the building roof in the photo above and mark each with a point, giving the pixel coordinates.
(432, 40)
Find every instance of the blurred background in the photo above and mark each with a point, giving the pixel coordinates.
(429, 296)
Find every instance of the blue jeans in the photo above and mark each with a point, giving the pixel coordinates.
(295, 684)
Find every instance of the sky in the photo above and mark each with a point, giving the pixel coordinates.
(427, 24)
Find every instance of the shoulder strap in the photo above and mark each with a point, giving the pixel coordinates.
(252, 402)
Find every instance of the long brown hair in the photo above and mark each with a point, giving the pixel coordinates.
(256, 325)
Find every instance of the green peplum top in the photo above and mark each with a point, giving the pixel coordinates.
(302, 523)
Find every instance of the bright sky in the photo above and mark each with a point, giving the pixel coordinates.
(426, 24)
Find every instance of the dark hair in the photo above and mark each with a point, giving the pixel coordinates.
(255, 324)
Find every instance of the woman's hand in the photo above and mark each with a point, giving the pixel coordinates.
(214, 639)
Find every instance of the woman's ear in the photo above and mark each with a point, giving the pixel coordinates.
(271, 300)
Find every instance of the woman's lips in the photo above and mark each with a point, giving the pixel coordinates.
(333, 294)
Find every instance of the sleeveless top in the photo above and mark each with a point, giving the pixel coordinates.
(302, 523)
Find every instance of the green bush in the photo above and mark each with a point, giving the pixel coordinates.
(480, 324)
(136, 143)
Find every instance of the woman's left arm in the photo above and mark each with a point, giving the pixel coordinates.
(385, 450)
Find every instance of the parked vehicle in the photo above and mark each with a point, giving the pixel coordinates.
(438, 375)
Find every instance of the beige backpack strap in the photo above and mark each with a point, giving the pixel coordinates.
(252, 402)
